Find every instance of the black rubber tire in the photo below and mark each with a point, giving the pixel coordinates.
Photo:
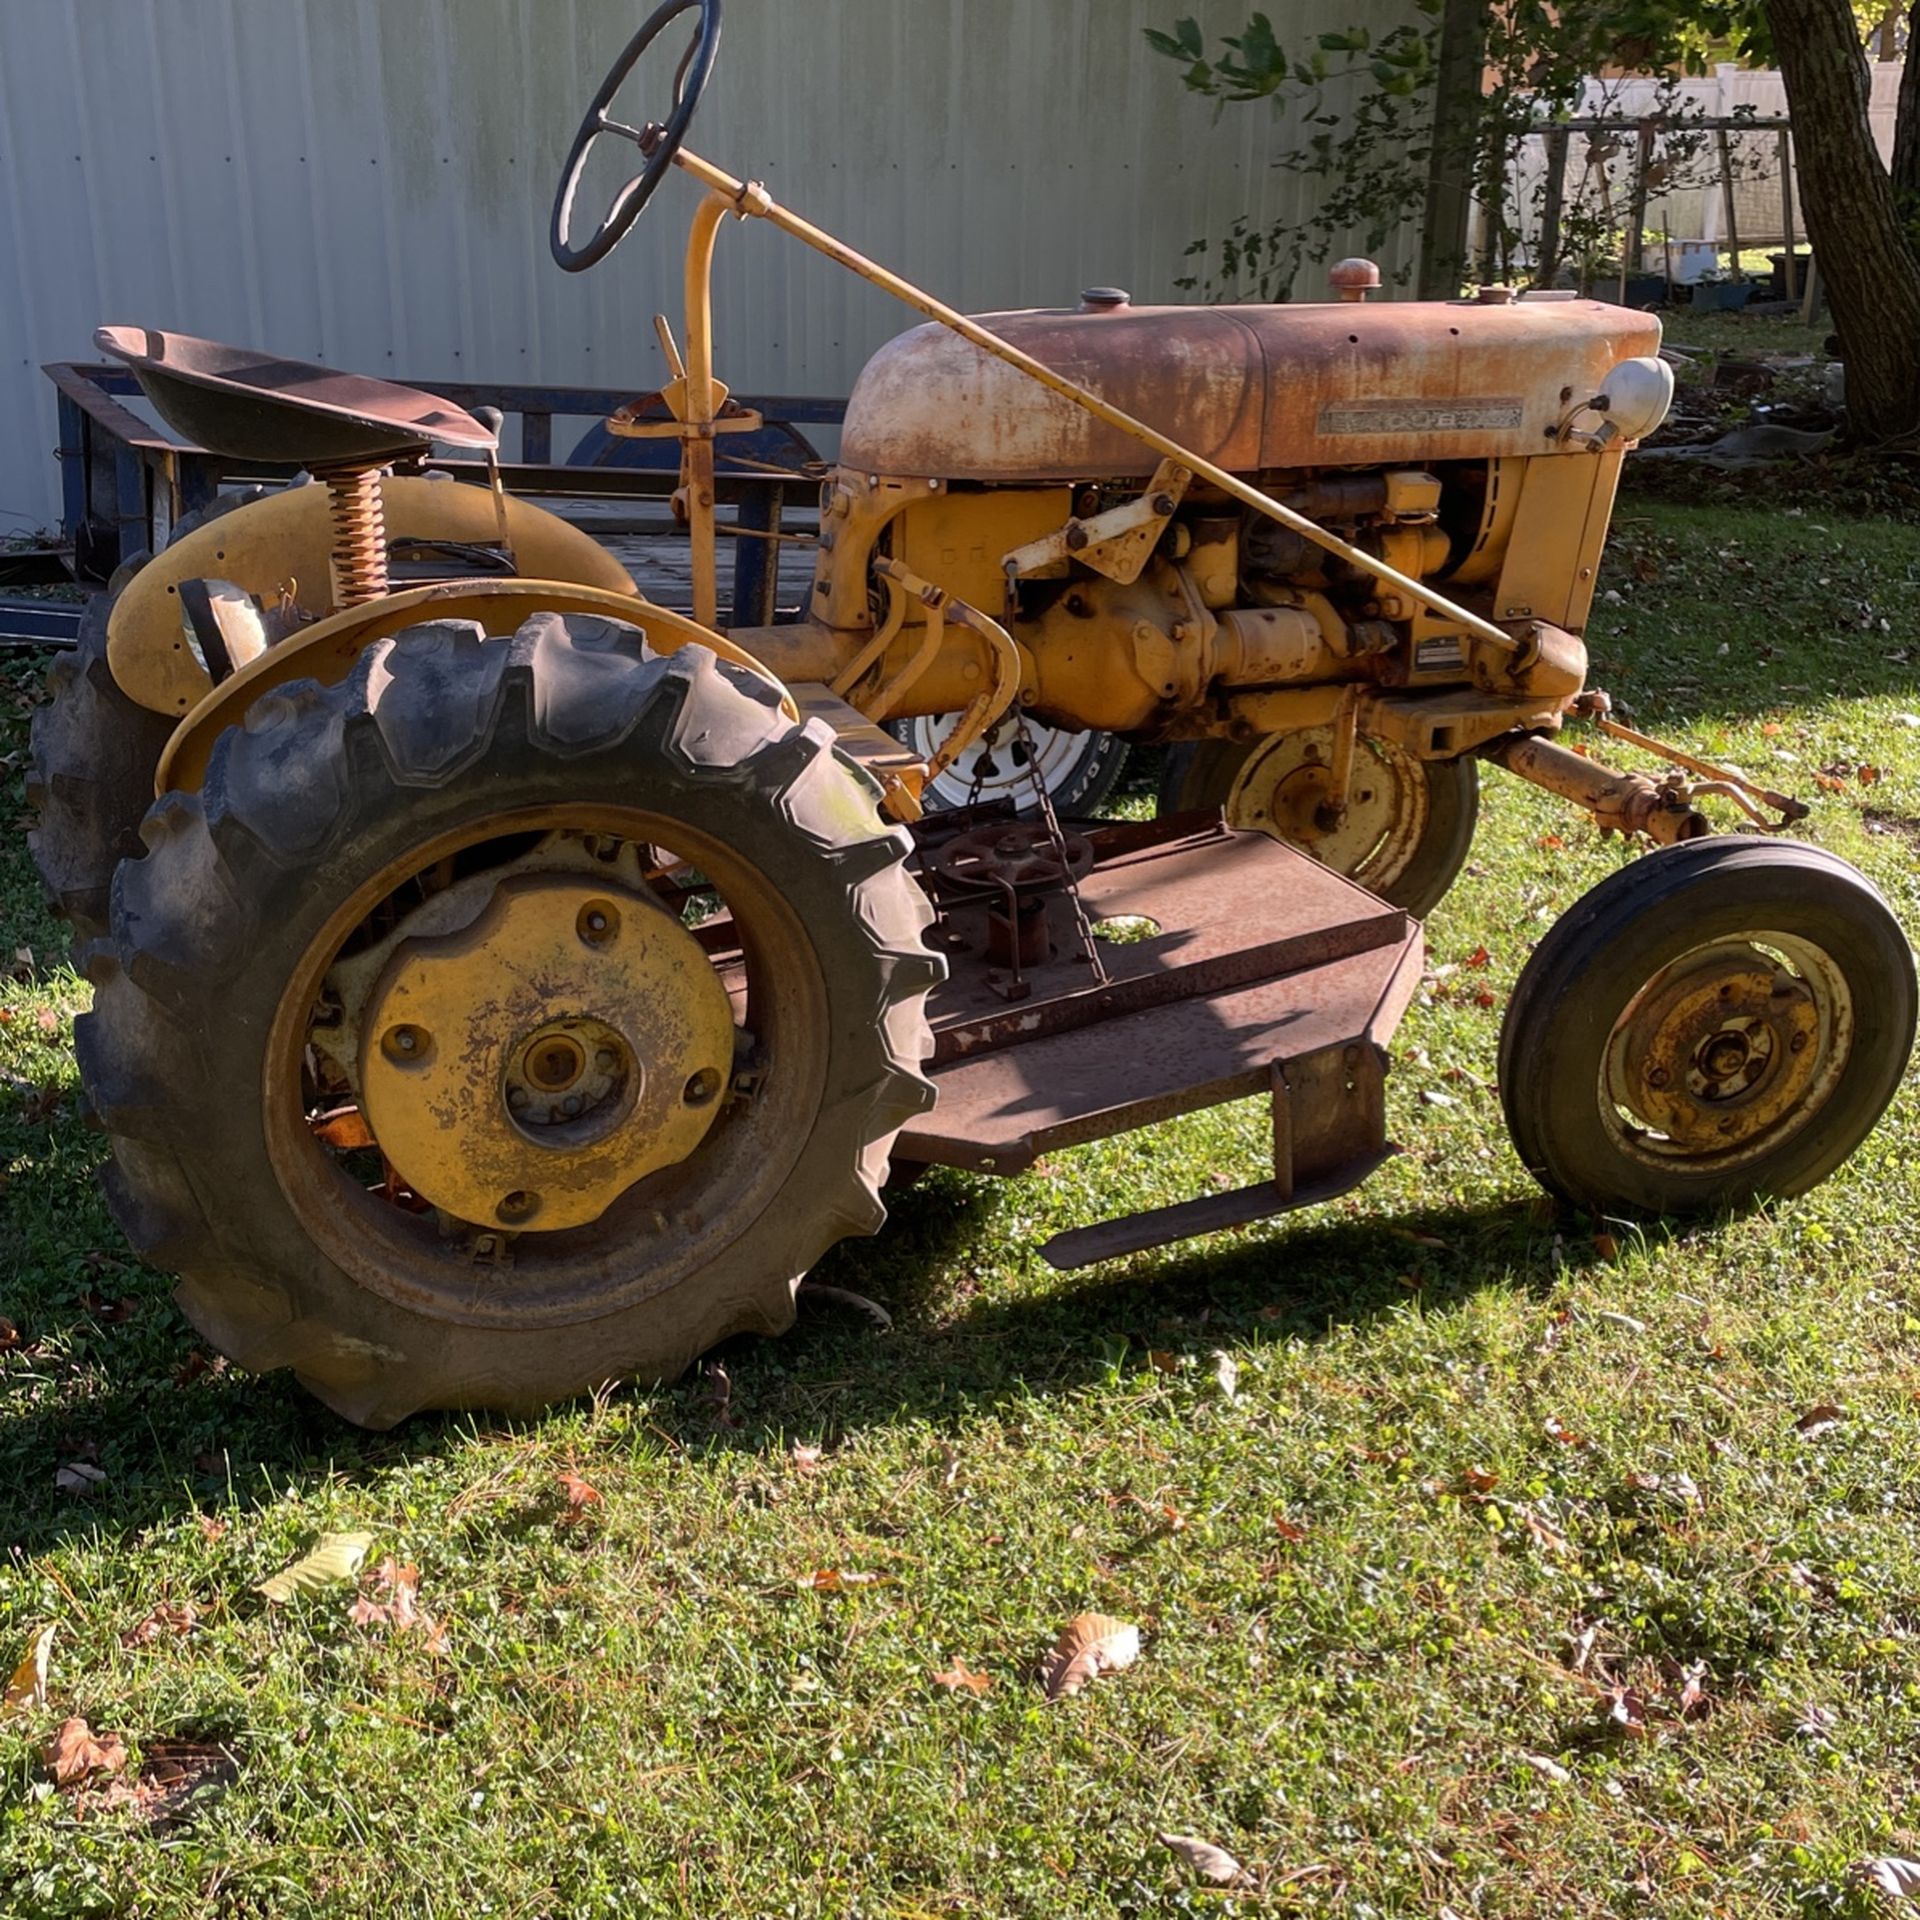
(322, 788)
(92, 758)
(1201, 773)
(1599, 954)
(1078, 796)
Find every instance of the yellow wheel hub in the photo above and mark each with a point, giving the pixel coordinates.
(527, 1069)
(1719, 1053)
(1286, 790)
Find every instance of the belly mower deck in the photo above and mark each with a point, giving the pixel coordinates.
(1241, 967)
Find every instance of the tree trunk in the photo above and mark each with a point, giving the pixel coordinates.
(1456, 131)
(1871, 274)
(1906, 131)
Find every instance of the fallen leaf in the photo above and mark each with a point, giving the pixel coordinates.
(210, 1528)
(1161, 1361)
(1226, 1372)
(27, 1689)
(842, 1580)
(805, 1459)
(1215, 1865)
(720, 1391)
(395, 1603)
(1547, 1769)
(1555, 1430)
(1626, 1708)
(579, 1495)
(959, 1678)
(1090, 1644)
(49, 1022)
(1417, 1239)
(1433, 1097)
(1288, 1530)
(1480, 1479)
(1624, 1321)
(171, 1774)
(1897, 1878)
(1869, 776)
(199, 1364)
(1772, 727)
(75, 1752)
(1545, 1536)
(164, 1619)
(77, 1477)
(1821, 1419)
(1479, 957)
(1606, 1246)
(9, 1335)
(335, 1559)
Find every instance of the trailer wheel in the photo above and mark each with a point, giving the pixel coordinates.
(1080, 769)
(1408, 826)
(1719, 1023)
(430, 1062)
(93, 755)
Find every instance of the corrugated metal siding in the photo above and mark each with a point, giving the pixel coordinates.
(367, 184)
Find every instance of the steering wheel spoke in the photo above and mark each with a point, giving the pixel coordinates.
(658, 141)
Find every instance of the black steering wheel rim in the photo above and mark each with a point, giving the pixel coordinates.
(659, 141)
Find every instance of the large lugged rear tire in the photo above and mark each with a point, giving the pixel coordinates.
(1719, 1023)
(93, 755)
(447, 754)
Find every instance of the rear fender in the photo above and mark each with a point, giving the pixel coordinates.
(283, 543)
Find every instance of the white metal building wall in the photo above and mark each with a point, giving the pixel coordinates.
(366, 182)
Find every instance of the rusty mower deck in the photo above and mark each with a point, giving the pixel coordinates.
(1267, 974)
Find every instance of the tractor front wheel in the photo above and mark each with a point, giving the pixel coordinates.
(1719, 1023)
(1404, 833)
(517, 1015)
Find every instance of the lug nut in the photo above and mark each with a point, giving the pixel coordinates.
(701, 1088)
(407, 1045)
(598, 923)
(517, 1205)
(1657, 1076)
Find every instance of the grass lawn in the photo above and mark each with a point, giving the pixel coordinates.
(1507, 1583)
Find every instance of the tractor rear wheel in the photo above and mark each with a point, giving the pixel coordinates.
(514, 1016)
(93, 755)
(1408, 824)
(1721, 1022)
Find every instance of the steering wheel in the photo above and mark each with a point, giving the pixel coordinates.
(658, 141)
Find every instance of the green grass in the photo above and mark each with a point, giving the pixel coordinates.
(637, 1711)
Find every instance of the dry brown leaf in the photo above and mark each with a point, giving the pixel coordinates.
(1545, 1536)
(165, 1619)
(1606, 1246)
(842, 1580)
(805, 1459)
(1821, 1419)
(1693, 1690)
(171, 1774)
(9, 1335)
(579, 1495)
(1479, 957)
(1478, 1479)
(210, 1528)
(1555, 1430)
(75, 1753)
(1161, 1361)
(27, 1689)
(959, 1678)
(48, 1021)
(1289, 1530)
(1214, 1865)
(1090, 1644)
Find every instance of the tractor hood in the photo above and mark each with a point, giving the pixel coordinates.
(1249, 387)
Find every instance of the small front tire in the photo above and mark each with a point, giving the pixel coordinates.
(1720, 1023)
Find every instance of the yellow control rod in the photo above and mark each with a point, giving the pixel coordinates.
(753, 200)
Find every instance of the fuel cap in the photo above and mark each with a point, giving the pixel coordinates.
(1104, 299)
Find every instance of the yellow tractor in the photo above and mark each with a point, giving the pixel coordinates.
(503, 984)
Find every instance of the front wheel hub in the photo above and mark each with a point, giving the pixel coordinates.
(525, 1070)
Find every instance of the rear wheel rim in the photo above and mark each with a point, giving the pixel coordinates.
(506, 1268)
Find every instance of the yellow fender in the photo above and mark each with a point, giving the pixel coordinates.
(327, 650)
(283, 542)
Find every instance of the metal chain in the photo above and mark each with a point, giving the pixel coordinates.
(1051, 820)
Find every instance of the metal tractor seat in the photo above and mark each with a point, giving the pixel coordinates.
(248, 405)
